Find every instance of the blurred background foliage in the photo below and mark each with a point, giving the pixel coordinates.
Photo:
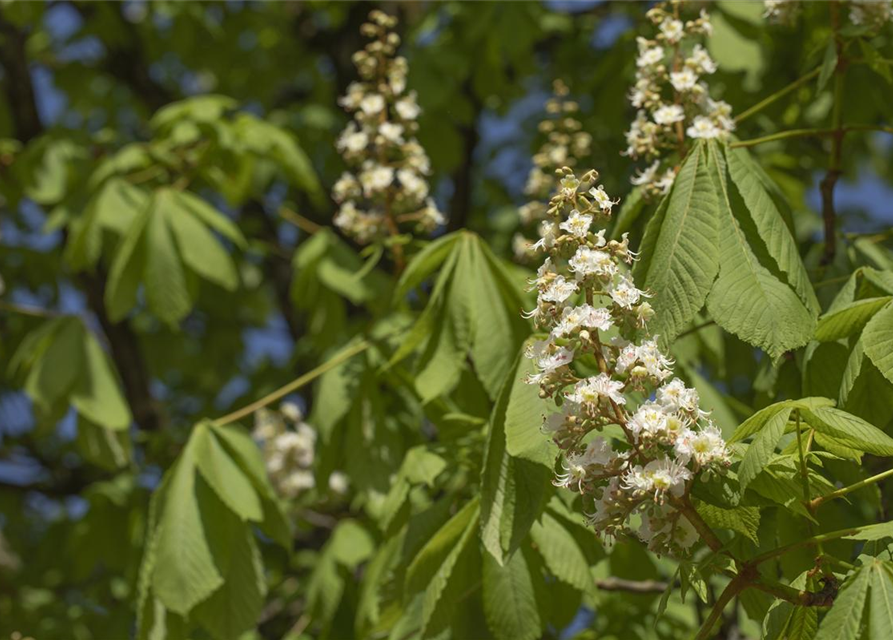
(233, 104)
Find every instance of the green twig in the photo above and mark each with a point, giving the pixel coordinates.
(813, 504)
(762, 104)
(294, 385)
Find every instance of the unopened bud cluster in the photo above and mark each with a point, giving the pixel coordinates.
(565, 145)
(387, 185)
(601, 366)
(872, 14)
(671, 96)
(288, 446)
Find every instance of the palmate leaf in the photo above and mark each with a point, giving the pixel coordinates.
(751, 297)
(203, 562)
(473, 312)
(561, 552)
(763, 446)
(167, 239)
(66, 365)
(681, 243)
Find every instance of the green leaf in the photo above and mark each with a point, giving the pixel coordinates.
(876, 62)
(877, 340)
(235, 607)
(849, 430)
(509, 601)
(225, 477)
(198, 247)
(779, 240)
(803, 623)
(127, 268)
(560, 551)
(96, 394)
(880, 605)
(843, 620)
(829, 64)
(849, 319)
(763, 446)
(211, 217)
(744, 520)
(425, 262)
(513, 490)
(685, 260)
(873, 532)
(748, 298)
(430, 558)
(185, 572)
(167, 294)
(524, 417)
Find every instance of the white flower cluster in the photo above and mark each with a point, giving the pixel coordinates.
(870, 13)
(781, 11)
(565, 145)
(603, 369)
(288, 453)
(388, 183)
(671, 96)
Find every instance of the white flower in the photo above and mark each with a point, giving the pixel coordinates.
(372, 104)
(668, 114)
(338, 482)
(650, 57)
(589, 391)
(376, 178)
(572, 318)
(407, 108)
(672, 29)
(355, 93)
(548, 358)
(684, 80)
(599, 453)
(603, 199)
(558, 290)
(624, 293)
(675, 396)
(701, 60)
(414, 186)
(392, 132)
(588, 261)
(658, 477)
(649, 420)
(703, 127)
(647, 175)
(291, 412)
(548, 233)
(703, 446)
(577, 224)
(352, 140)
(666, 181)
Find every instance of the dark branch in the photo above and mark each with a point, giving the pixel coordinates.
(18, 86)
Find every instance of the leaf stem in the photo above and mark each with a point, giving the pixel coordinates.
(302, 223)
(813, 504)
(34, 312)
(806, 542)
(735, 587)
(297, 383)
(762, 104)
(808, 133)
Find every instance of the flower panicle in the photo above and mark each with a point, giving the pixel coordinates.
(386, 185)
(671, 95)
(602, 366)
(566, 144)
